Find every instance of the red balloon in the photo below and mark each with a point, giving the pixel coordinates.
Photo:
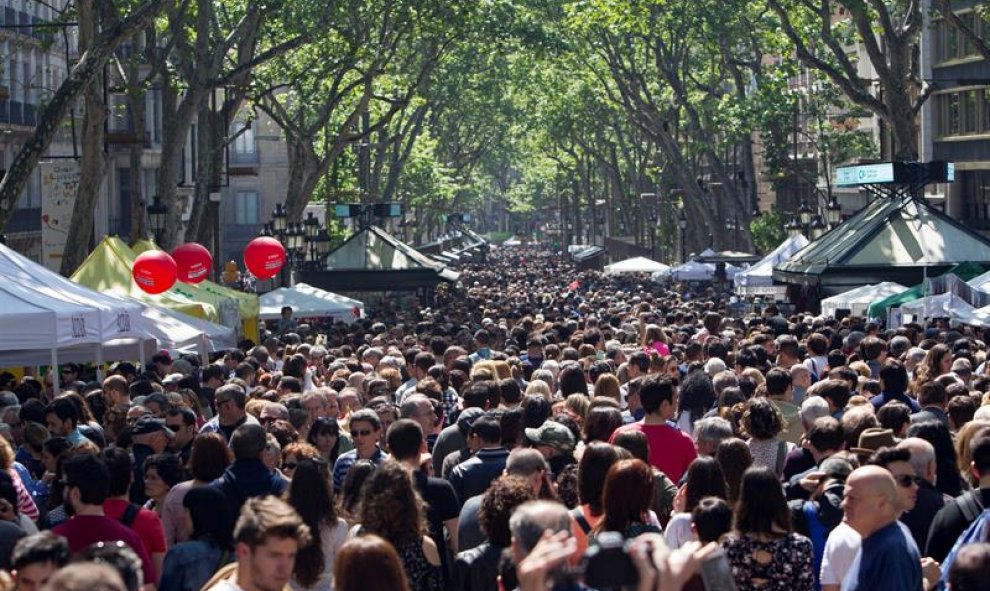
(154, 271)
(264, 257)
(194, 262)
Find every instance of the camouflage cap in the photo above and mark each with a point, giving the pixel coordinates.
(553, 434)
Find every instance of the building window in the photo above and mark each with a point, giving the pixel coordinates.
(244, 142)
(953, 124)
(970, 117)
(246, 208)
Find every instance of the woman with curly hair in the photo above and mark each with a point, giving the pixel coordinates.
(391, 508)
(477, 569)
(937, 361)
(763, 423)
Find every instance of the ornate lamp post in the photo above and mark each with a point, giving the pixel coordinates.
(156, 217)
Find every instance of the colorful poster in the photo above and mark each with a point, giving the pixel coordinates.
(59, 185)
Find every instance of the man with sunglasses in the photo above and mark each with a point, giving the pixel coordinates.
(69, 374)
(366, 431)
(847, 561)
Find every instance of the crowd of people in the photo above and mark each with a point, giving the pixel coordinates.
(537, 428)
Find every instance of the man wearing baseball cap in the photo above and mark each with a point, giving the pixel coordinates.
(556, 442)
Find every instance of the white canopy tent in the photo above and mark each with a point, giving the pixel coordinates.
(692, 271)
(119, 317)
(944, 305)
(858, 300)
(307, 301)
(117, 327)
(635, 265)
(168, 329)
(761, 274)
(980, 281)
(513, 241)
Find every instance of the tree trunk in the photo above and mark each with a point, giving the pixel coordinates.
(177, 120)
(136, 104)
(93, 163)
(90, 64)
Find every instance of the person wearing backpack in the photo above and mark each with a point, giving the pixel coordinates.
(955, 517)
(145, 522)
(818, 516)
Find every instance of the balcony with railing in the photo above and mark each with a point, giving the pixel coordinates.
(18, 113)
(243, 163)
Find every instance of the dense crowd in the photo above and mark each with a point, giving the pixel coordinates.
(537, 428)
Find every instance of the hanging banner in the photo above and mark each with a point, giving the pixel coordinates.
(59, 185)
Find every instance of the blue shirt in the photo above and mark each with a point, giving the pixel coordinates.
(346, 460)
(888, 562)
(885, 397)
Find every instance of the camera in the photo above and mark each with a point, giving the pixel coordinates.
(608, 565)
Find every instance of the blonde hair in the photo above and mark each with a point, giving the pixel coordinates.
(578, 405)
(539, 388)
(964, 454)
(607, 385)
(755, 374)
(861, 368)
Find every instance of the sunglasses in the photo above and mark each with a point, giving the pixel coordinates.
(906, 480)
(361, 433)
(289, 465)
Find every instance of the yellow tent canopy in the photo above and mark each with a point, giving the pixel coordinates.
(108, 268)
(247, 303)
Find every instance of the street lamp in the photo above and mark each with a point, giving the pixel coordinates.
(156, 217)
(833, 212)
(280, 219)
(804, 213)
(817, 227)
(312, 225)
(323, 243)
(682, 224)
(793, 228)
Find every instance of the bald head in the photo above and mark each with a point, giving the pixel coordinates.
(870, 501)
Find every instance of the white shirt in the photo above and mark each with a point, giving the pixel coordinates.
(678, 531)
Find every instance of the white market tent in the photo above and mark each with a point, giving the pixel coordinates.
(307, 301)
(760, 275)
(944, 305)
(980, 281)
(86, 325)
(635, 265)
(693, 271)
(858, 300)
(119, 317)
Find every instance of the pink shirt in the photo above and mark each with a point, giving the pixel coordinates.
(671, 450)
